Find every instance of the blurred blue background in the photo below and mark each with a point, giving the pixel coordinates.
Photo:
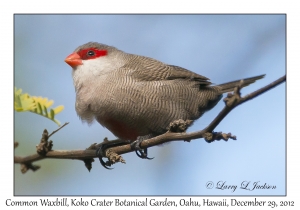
(220, 47)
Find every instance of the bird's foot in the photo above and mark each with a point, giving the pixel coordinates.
(100, 152)
(141, 153)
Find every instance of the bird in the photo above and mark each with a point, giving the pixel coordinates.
(137, 97)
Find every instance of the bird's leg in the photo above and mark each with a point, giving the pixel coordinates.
(100, 152)
(142, 153)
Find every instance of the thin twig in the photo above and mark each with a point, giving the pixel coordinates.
(264, 89)
(58, 129)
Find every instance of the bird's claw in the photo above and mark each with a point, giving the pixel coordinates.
(100, 152)
(141, 153)
(105, 164)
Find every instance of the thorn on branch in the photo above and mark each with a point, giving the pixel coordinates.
(179, 126)
(88, 163)
(210, 137)
(105, 140)
(44, 146)
(233, 99)
(93, 146)
(27, 166)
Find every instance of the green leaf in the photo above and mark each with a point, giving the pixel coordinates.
(38, 105)
(52, 114)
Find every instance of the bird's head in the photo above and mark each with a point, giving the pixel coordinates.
(91, 60)
(88, 53)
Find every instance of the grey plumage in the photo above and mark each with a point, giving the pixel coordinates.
(140, 94)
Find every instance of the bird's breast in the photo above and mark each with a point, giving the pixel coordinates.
(118, 128)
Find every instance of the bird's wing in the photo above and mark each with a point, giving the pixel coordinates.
(148, 69)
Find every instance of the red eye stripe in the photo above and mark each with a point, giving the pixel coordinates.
(91, 53)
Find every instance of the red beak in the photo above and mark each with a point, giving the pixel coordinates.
(73, 60)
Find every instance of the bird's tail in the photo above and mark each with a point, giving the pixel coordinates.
(229, 86)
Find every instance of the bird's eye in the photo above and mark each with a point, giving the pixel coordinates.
(90, 53)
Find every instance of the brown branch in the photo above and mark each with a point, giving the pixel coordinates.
(231, 101)
(57, 154)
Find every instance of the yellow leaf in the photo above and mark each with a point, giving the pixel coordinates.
(37, 105)
(58, 109)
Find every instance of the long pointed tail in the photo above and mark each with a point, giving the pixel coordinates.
(227, 87)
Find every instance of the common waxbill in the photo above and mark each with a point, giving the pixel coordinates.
(137, 97)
